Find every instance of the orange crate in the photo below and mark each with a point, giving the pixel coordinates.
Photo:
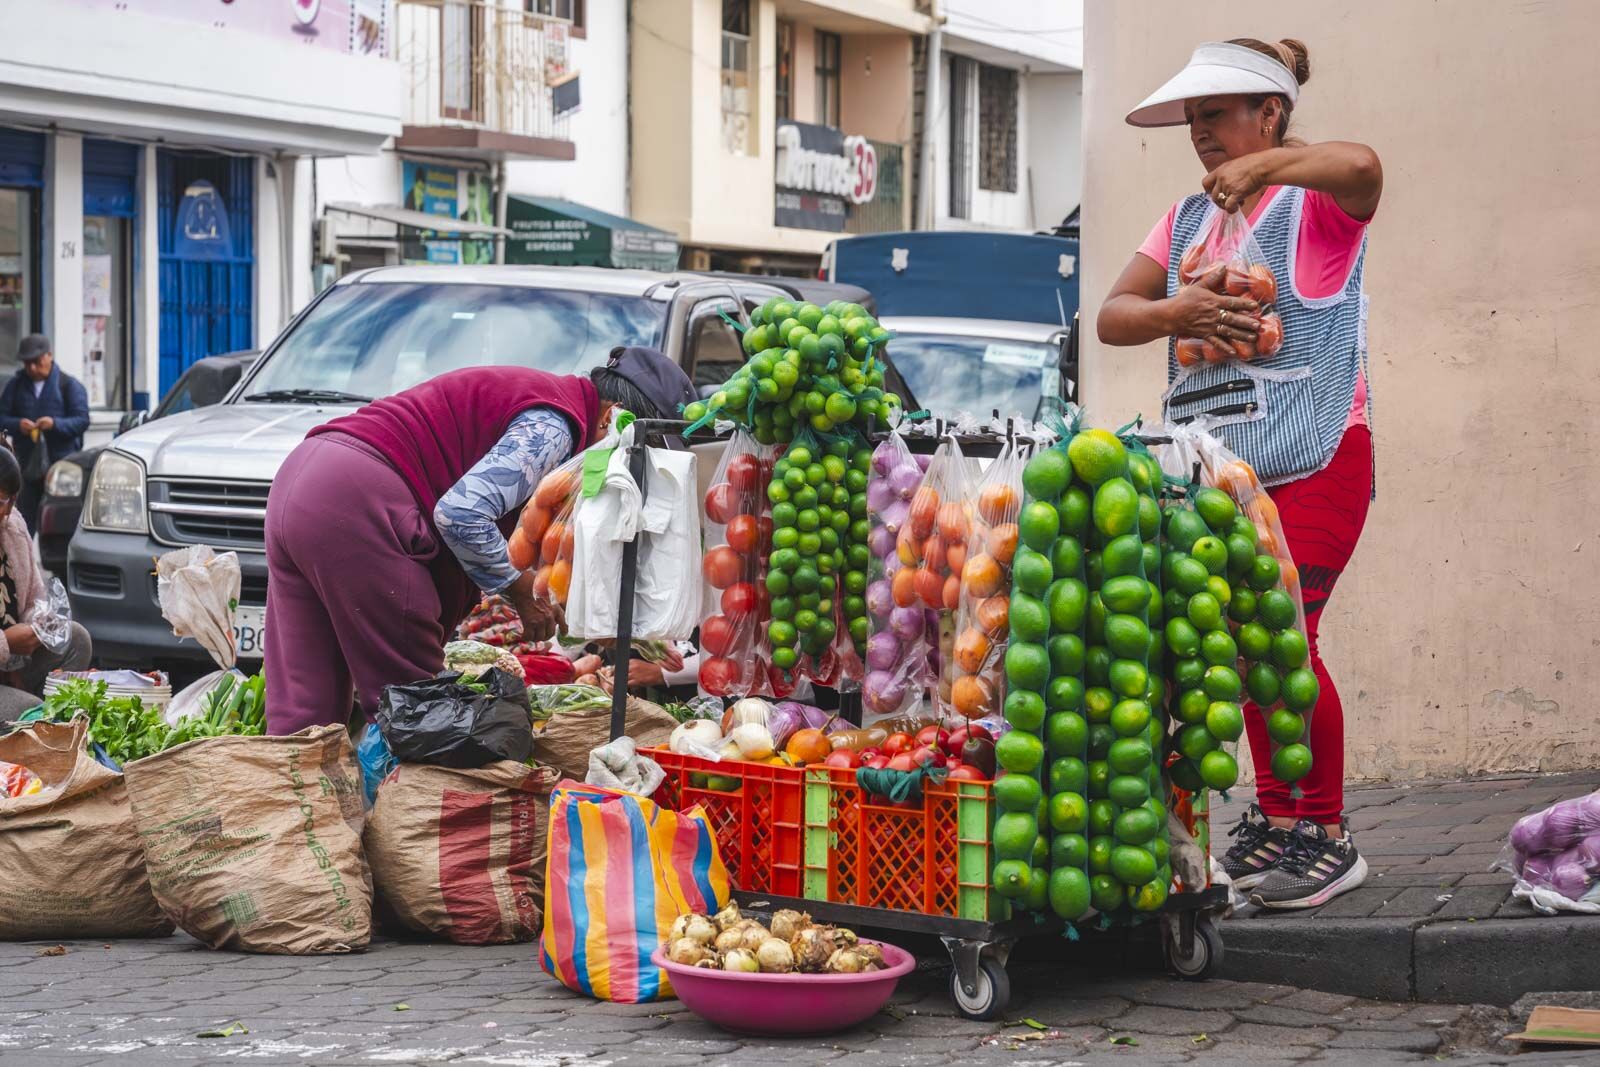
(758, 824)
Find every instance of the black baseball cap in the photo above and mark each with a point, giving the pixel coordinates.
(34, 346)
(661, 381)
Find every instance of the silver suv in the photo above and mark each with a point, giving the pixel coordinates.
(203, 476)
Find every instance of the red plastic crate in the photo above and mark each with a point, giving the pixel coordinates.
(758, 825)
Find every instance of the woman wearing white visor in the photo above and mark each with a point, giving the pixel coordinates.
(1300, 418)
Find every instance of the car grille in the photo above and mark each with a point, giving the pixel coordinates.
(221, 514)
(252, 589)
(96, 579)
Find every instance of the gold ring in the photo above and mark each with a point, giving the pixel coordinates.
(1222, 317)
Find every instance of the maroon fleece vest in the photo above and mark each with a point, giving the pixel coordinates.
(433, 433)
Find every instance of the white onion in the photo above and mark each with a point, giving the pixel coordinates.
(775, 956)
(740, 959)
(754, 741)
(695, 737)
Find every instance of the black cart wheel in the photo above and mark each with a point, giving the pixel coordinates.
(1205, 951)
(991, 991)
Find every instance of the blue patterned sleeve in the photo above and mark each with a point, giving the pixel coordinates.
(536, 442)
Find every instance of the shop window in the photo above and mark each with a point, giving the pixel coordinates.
(738, 84)
(106, 278)
(997, 129)
(962, 73)
(785, 86)
(828, 78)
(18, 273)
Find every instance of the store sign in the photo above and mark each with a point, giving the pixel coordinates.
(357, 27)
(202, 231)
(821, 173)
(433, 191)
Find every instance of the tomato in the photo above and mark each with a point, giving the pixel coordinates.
(897, 743)
(902, 762)
(740, 600)
(1263, 285)
(1236, 282)
(933, 736)
(979, 730)
(722, 566)
(718, 674)
(1270, 339)
(922, 754)
(877, 763)
(868, 753)
(764, 527)
(966, 773)
(842, 758)
(717, 635)
(744, 472)
(1190, 351)
(722, 503)
(924, 511)
(743, 533)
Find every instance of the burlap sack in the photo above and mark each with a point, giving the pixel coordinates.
(70, 863)
(254, 843)
(569, 736)
(460, 854)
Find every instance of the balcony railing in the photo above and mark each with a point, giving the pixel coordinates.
(887, 210)
(476, 64)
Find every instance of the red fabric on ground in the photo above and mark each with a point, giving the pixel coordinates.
(1322, 517)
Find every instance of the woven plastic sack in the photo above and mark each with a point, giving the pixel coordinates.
(738, 531)
(1223, 256)
(902, 645)
(620, 872)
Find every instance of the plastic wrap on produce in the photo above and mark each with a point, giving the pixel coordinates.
(1554, 855)
(1224, 257)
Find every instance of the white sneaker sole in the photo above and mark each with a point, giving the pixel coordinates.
(1345, 882)
(1247, 882)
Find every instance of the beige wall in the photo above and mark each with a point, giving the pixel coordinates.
(876, 85)
(1464, 636)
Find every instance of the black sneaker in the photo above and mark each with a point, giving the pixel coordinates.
(1313, 870)
(1259, 845)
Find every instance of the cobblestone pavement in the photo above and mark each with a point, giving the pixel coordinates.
(148, 1002)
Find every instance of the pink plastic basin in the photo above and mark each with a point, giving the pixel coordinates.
(783, 1005)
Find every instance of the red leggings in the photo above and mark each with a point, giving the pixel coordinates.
(1322, 517)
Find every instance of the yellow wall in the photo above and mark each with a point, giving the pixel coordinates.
(1464, 636)
(876, 86)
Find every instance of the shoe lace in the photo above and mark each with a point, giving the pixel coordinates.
(1304, 846)
(1249, 832)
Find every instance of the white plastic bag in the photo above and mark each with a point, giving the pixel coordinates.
(618, 765)
(198, 589)
(51, 620)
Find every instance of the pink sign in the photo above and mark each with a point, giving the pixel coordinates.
(356, 27)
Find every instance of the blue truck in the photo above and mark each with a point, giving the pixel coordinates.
(982, 321)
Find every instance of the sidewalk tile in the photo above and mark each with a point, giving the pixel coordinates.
(1473, 902)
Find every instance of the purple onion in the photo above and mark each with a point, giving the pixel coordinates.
(891, 564)
(1568, 876)
(880, 542)
(1536, 869)
(1589, 849)
(880, 599)
(905, 479)
(1563, 825)
(880, 494)
(883, 692)
(1527, 836)
(883, 651)
(895, 515)
(884, 455)
(907, 623)
(923, 461)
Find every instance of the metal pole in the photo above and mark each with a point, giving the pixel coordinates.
(623, 650)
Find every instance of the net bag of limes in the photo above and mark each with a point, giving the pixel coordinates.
(1232, 531)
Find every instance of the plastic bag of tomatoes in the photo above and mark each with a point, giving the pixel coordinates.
(1224, 257)
(735, 659)
(902, 650)
(975, 669)
(543, 537)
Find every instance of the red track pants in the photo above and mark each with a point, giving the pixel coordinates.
(1322, 517)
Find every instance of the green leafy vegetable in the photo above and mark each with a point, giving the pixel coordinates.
(128, 730)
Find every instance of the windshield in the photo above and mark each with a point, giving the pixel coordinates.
(951, 373)
(371, 339)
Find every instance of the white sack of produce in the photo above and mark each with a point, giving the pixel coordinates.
(198, 590)
(254, 843)
(70, 862)
(618, 765)
(460, 853)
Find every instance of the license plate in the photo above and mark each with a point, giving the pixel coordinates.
(250, 631)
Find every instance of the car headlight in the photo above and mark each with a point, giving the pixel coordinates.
(64, 478)
(116, 495)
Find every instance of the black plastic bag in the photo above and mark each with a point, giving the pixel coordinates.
(447, 724)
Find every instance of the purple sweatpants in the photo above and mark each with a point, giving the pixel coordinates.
(358, 588)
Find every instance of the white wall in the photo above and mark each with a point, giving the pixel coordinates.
(1050, 31)
(1055, 144)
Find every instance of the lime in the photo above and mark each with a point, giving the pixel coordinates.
(1188, 673)
(1276, 609)
(1116, 508)
(1149, 517)
(1300, 690)
(1027, 666)
(1011, 879)
(1174, 605)
(1192, 706)
(1129, 790)
(1015, 832)
(1066, 656)
(1024, 710)
(805, 620)
(1029, 619)
(1285, 727)
(1102, 813)
(1069, 850)
(1019, 752)
(1127, 636)
(1068, 601)
(1291, 763)
(695, 411)
(1289, 650)
(1264, 573)
(1123, 555)
(1225, 720)
(1265, 685)
(1097, 455)
(1038, 524)
(1219, 588)
(1069, 774)
(1100, 737)
(1243, 527)
(1104, 891)
(1182, 638)
(1100, 855)
(1069, 813)
(1066, 557)
(1031, 572)
(1212, 552)
(1017, 792)
(839, 407)
(785, 658)
(1129, 755)
(1046, 475)
(1216, 508)
(1205, 612)
(1241, 556)
(1066, 733)
(1184, 528)
(1129, 718)
(1128, 678)
(1152, 558)
(1255, 641)
(1189, 576)
(1065, 693)
(1074, 511)
(1131, 865)
(1222, 683)
(1098, 702)
(1185, 774)
(1069, 892)
(1219, 770)
(1126, 593)
(1195, 741)
(1218, 649)
(781, 607)
(1152, 895)
(1136, 825)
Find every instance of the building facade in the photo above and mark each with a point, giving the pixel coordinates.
(1000, 148)
(148, 173)
(764, 129)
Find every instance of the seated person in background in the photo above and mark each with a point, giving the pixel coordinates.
(22, 590)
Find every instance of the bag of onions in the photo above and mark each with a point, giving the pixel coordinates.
(902, 653)
(1555, 856)
(1224, 257)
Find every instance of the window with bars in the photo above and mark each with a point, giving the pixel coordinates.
(828, 47)
(571, 10)
(961, 77)
(784, 89)
(738, 84)
(997, 129)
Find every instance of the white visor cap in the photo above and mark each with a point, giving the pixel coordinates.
(1215, 69)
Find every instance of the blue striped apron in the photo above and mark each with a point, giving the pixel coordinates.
(1284, 414)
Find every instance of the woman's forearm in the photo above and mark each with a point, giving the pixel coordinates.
(1132, 319)
(1351, 173)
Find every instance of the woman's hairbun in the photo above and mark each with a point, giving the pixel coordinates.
(1291, 53)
